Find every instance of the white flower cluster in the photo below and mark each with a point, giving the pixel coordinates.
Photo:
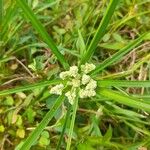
(57, 89)
(76, 80)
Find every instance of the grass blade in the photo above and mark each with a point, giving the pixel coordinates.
(100, 31)
(123, 83)
(42, 31)
(1, 11)
(75, 106)
(29, 87)
(122, 99)
(64, 126)
(36, 133)
(117, 56)
(137, 128)
(1, 20)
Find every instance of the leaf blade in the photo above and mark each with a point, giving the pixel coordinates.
(75, 106)
(122, 99)
(28, 87)
(123, 83)
(36, 133)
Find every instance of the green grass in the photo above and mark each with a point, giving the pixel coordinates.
(41, 38)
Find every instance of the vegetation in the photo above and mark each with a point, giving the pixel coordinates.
(41, 38)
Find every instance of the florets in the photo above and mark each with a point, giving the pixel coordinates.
(76, 79)
(57, 89)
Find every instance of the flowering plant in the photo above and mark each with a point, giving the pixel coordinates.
(76, 78)
(78, 83)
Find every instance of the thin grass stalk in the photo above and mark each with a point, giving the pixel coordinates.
(64, 127)
(75, 106)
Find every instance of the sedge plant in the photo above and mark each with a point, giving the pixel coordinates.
(81, 82)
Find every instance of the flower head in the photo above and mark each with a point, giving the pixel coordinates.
(71, 95)
(75, 83)
(76, 79)
(85, 79)
(86, 93)
(57, 89)
(91, 85)
(91, 93)
(64, 75)
(73, 72)
(83, 93)
(87, 68)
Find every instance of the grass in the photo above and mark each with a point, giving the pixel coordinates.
(41, 38)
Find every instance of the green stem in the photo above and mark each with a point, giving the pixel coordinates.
(75, 106)
(64, 126)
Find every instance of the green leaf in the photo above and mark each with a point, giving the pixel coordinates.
(119, 55)
(117, 37)
(106, 37)
(80, 43)
(100, 31)
(2, 128)
(29, 87)
(30, 114)
(44, 141)
(123, 83)
(36, 133)
(75, 106)
(108, 135)
(7, 20)
(125, 112)
(42, 31)
(64, 126)
(112, 46)
(122, 99)
(1, 11)
(138, 129)
(20, 133)
(45, 134)
(9, 101)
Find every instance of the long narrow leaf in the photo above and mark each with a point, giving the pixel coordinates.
(36, 133)
(42, 31)
(122, 99)
(123, 83)
(1, 11)
(29, 87)
(117, 56)
(100, 31)
(75, 106)
(64, 126)
(7, 20)
(1, 18)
